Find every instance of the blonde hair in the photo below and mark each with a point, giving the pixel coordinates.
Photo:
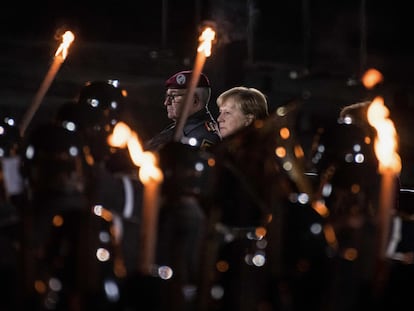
(249, 100)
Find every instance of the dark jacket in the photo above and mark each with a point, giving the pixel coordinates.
(199, 125)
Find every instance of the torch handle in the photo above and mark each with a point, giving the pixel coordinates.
(37, 100)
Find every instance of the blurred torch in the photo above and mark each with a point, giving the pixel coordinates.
(151, 176)
(371, 78)
(386, 146)
(60, 55)
(203, 51)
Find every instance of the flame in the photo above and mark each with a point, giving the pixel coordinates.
(385, 143)
(67, 39)
(121, 137)
(206, 39)
(371, 78)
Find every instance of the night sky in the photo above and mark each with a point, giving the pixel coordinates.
(330, 26)
(326, 36)
(286, 31)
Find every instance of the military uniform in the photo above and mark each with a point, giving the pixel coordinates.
(181, 219)
(200, 126)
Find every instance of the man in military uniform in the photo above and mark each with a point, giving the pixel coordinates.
(182, 216)
(200, 124)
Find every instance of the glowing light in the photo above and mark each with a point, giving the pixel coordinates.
(97, 210)
(206, 38)
(73, 151)
(258, 124)
(280, 152)
(104, 236)
(60, 55)
(260, 232)
(211, 162)
(192, 141)
(112, 290)
(151, 176)
(165, 272)
(102, 254)
(203, 51)
(385, 144)
(121, 137)
(217, 292)
(371, 78)
(40, 286)
(303, 198)
(321, 208)
(350, 254)
(330, 236)
(284, 133)
(316, 228)
(299, 153)
(259, 260)
(281, 111)
(359, 158)
(287, 166)
(355, 188)
(199, 166)
(327, 190)
(67, 39)
(55, 284)
(104, 214)
(222, 266)
(57, 220)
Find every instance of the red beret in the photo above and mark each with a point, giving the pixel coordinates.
(181, 80)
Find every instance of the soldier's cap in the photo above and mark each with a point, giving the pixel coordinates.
(182, 80)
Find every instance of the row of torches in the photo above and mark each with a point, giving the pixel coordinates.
(386, 146)
(123, 137)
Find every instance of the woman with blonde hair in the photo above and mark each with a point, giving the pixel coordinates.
(239, 107)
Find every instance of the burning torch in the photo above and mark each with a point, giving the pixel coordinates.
(203, 51)
(386, 147)
(389, 165)
(151, 176)
(60, 55)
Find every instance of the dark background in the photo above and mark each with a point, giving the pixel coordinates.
(310, 51)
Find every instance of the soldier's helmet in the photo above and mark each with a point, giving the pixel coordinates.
(56, 161)
(103, 95)
(94, 113)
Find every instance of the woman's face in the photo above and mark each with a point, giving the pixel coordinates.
(231, 118)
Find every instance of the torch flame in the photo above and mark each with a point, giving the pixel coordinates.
(67, 39)
(123, 136)
(371, 78)
(120, 135)
(62, 52)
(206, 38)
(203, 51)
(385, 144)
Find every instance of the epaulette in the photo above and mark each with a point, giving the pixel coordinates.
(205, 143)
